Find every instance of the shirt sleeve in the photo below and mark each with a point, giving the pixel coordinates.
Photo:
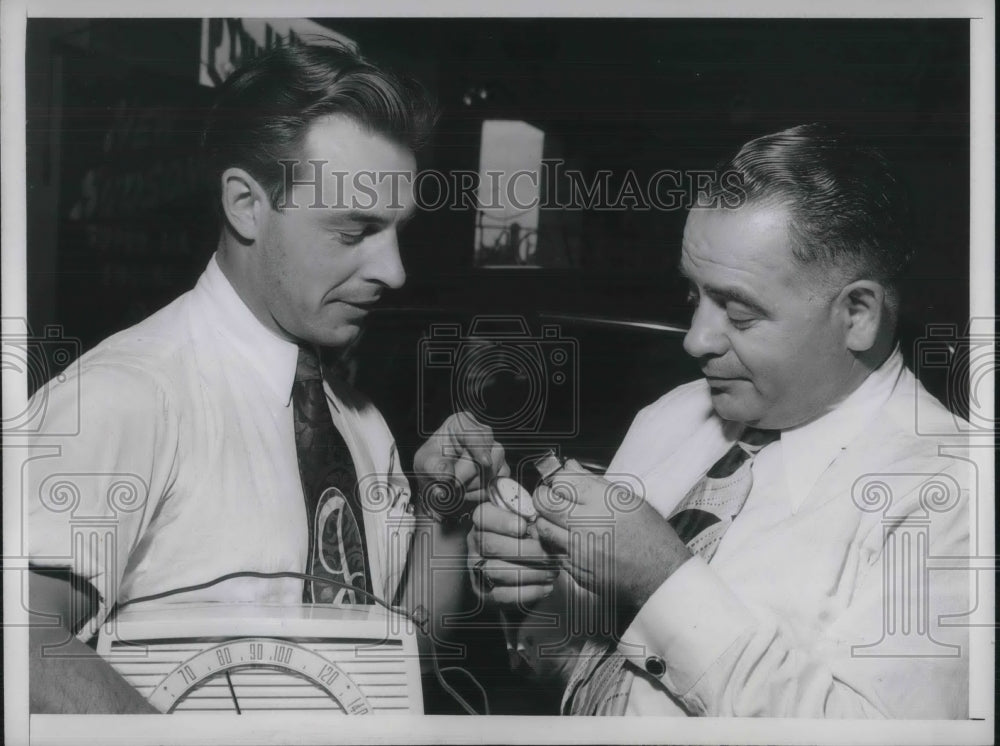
(108, 447)
(721, 657)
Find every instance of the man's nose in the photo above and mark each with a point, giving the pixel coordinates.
(383, 262)
(706, 337)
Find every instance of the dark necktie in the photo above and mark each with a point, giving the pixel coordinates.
(337, 542)
(601, 681)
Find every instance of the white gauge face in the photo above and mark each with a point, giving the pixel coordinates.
(256, 653)
(509, 494)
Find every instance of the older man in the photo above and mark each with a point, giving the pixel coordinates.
(754, 572)
(246, 451)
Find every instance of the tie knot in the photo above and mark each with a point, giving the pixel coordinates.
(307, 367)
(745, 448)
(757, 439)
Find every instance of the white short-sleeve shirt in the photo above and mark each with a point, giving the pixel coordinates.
(183, 465)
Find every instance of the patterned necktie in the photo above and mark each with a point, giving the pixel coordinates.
(601, 681)
(337, 543)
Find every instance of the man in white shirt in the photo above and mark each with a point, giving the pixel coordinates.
(810, 598)
(191, 437)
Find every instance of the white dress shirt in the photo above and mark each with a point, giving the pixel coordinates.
(794, 614)
(184, 465)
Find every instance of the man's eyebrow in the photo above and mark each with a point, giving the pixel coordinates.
(364, 217)
(727, 292)
(357, 216)
(731, 293)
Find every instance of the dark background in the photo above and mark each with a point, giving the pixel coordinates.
(119, 99)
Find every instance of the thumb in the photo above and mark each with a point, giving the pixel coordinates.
(552, 503)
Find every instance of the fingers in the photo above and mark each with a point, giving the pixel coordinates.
(507, 583)
(574, 492)
(464, 451)
(509, 565)
(498, 461)
(556, 501)
(462, 431)
(500, 534)
(508, 574)
(466, 430)
(490, 518)
(468, 472)
(521, 551)
(478, 456)
(527, 552)
(553, 537)
(518, 595)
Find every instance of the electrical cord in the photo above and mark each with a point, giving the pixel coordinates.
(471, 678)
(420, 623)
(267, 575)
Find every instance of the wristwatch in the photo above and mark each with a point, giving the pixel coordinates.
(548, 465)
(445, 502)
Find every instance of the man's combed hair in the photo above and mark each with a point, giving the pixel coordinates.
(848, 209)
(264, 109)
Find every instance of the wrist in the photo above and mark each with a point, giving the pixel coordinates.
(670, 552)
(652, 575)
(435, 503)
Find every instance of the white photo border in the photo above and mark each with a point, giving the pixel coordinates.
(281, 728)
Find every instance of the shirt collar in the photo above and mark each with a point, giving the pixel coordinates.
(273, 357)
(809, 449)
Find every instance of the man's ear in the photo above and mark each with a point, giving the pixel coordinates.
(243, 202)
(862, 304)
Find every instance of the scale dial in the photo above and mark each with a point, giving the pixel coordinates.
(256, 653)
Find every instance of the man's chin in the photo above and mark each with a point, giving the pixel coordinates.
(341, 336)
(734, 409)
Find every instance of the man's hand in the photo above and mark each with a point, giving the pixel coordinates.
(613, 545)
(509, 565)
(455, 465)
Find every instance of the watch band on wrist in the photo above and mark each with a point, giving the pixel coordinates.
(548, 465)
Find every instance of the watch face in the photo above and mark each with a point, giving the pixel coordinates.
(258, 666)
(507, 493)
